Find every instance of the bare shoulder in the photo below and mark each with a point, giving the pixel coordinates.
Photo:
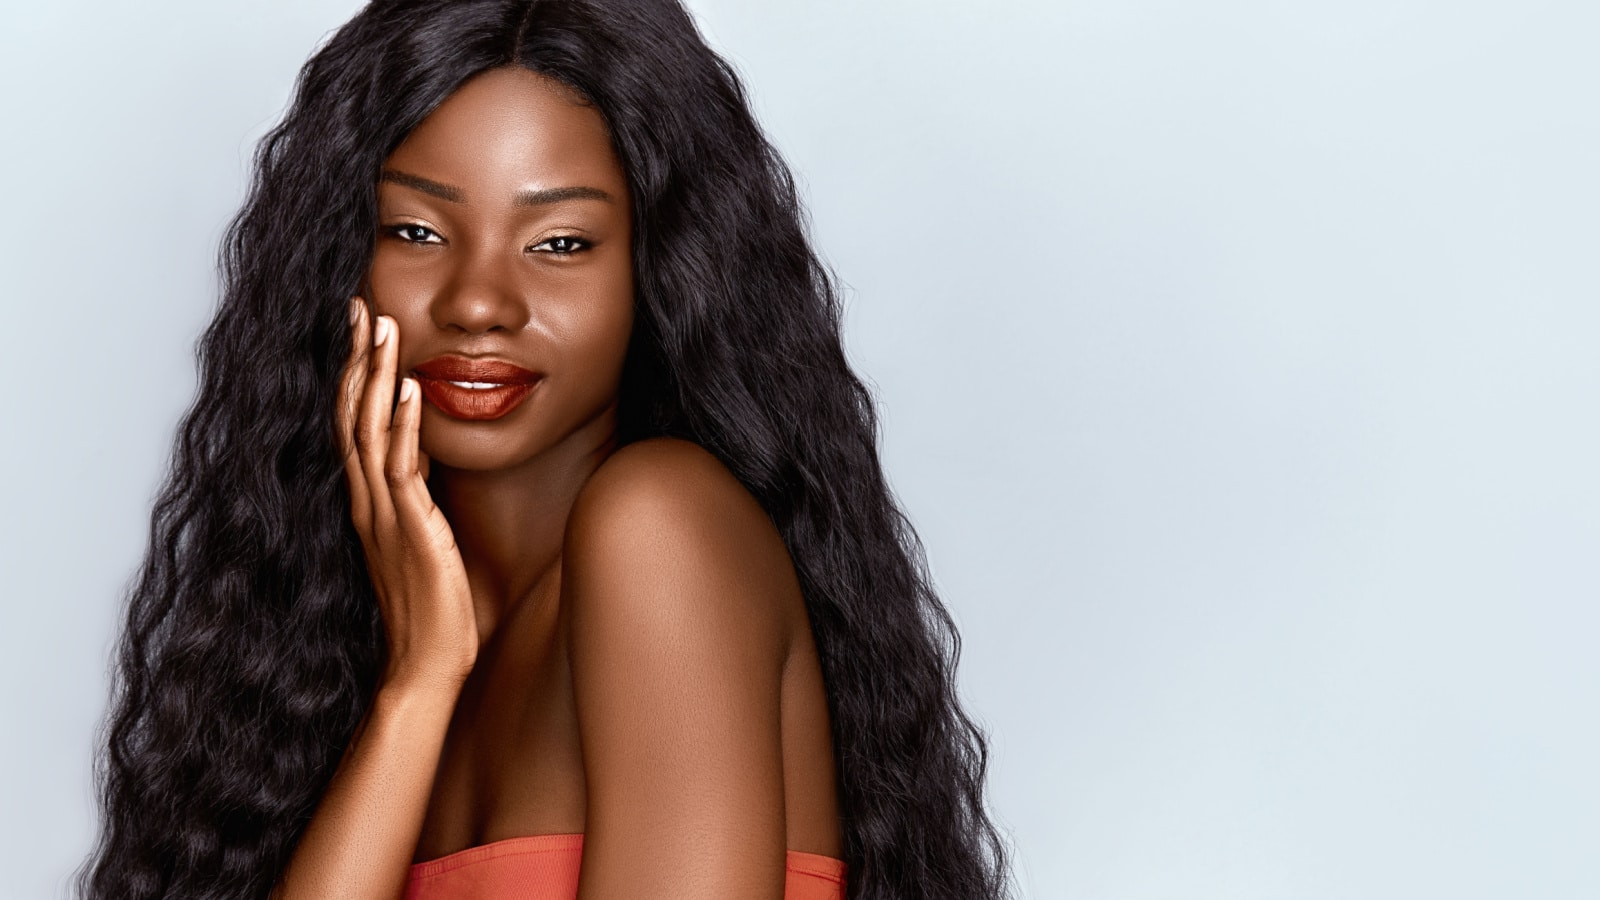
(666, 510)
(664, 475)
(679, 597)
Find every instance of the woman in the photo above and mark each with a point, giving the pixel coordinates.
(529, 527)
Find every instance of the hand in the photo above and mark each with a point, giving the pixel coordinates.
(411, 553)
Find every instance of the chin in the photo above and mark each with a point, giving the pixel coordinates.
(478, 453)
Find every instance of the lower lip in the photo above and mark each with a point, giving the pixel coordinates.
(474, 404)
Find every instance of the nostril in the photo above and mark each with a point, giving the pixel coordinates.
(479, 307)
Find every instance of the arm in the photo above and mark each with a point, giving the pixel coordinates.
(359, 843)
(671, 574)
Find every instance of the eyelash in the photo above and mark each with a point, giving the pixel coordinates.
(398, 230)
(571, 238)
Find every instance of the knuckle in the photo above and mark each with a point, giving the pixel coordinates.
(395, 476)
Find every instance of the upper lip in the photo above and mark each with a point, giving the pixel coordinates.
(483, 371)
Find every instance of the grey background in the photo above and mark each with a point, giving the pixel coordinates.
(1236, 363)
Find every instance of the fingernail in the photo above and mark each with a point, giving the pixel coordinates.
(408, 387)
(381, 333)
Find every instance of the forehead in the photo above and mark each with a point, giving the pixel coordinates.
(510, 128)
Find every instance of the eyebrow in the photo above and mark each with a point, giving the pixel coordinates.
(526, 197)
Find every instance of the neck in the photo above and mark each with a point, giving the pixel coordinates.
(509, 523)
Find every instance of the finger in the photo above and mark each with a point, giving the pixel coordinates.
(351, 384)
(402, 436)
(351, 378)
(406, 484)
(377, 404)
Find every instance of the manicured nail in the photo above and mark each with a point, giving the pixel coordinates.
(408, 388)
(381, 333)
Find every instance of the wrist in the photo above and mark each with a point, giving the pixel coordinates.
(407, 682)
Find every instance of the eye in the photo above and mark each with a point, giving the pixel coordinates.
(562, 244)
(412, 233)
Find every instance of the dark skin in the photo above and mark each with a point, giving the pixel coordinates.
(581, 638)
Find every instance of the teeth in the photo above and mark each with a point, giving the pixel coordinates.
(476, 385)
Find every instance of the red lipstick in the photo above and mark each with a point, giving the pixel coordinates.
(474, 389)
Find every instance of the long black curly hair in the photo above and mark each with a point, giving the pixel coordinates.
(253, 643)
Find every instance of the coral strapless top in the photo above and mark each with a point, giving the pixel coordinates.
(545, 867)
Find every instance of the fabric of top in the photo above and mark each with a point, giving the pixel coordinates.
(545, 867)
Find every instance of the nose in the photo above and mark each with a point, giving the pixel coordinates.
(481, 296)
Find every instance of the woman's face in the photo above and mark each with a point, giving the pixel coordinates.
(504, 238)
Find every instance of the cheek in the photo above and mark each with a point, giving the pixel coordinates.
(591, 324)
(594, 336)
(397, 290)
